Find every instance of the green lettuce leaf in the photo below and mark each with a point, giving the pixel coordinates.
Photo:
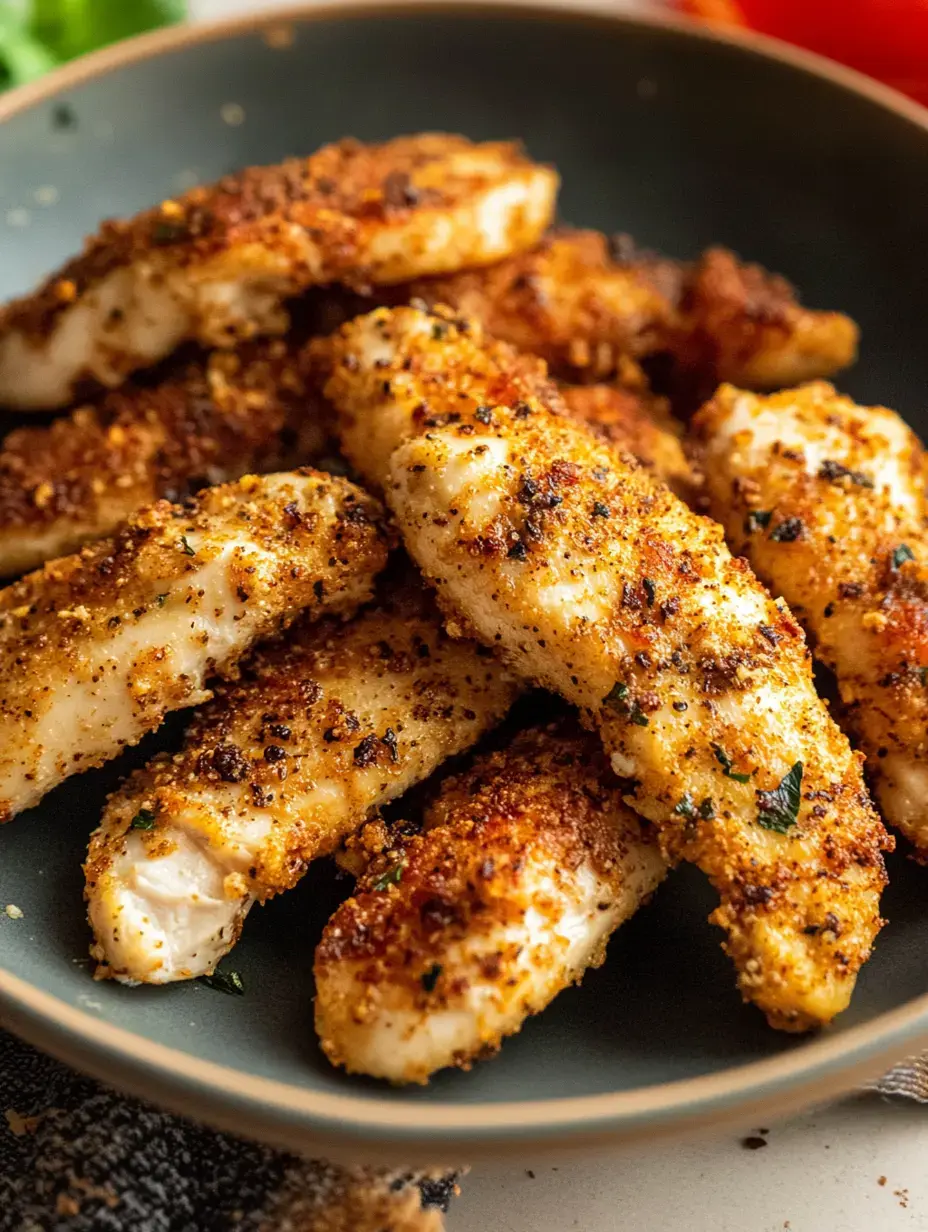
(37, 35)
(71, 28)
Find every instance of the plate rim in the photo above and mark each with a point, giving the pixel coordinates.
(291, 1116)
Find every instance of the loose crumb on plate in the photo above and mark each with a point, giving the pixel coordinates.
(14, 912)
(20, 1124)
(232, 114)
(280, 36)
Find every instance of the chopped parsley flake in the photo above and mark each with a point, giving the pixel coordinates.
(787, 531)
(835, 472)
(686, 807)
(161, 599)
(166, 232)
(429, 978)
(902, 553)
(229, 982)
(616, 694)
(143, 820)
(185, 546)
(616, 699)
(393, 876)
(726, 763)
(707, 809)
(758, 519)
(779, 809)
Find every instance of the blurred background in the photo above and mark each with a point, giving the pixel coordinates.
(886, 38)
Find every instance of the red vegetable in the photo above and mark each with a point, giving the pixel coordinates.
(886, 38)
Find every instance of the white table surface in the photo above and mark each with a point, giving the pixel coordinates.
(819, 1172)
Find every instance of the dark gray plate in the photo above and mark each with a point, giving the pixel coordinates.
(675, 136)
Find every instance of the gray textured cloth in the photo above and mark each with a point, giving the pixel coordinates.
(77, 1157)
(909, 1079)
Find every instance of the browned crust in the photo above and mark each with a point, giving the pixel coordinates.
(550, 789)
(567, 301)
(638, 423)
(209, 421)
(343, 188)
(738, 316)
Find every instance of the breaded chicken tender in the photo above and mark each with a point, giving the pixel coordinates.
(584, 302)
(529, 862)
(96, 648)
(827, 500)
(209, 421)
(216, 264)
(595, 582)
(745, 325)
(320, 731)
(637, 423)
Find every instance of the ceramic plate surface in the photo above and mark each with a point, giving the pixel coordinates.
(670, 134)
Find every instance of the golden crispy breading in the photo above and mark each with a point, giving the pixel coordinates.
(595, 582)
(369, 429)
(209, 421)
(453, 938)
(320, 731)
(583, 302)
(216, 264)
(744, 325)
(567, 300)
(96, 648)
(827, 499)
(637, 423)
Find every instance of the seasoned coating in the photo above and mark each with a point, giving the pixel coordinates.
(827, 500)
(96, 648)
(601, 585)
(567, 300)
(453, 938)
(745, 325)
(209, 421)
(637, 423)
(216, 264)
(320, 731)
(583, 302)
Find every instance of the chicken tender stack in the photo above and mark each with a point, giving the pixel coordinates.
(95, 649)
(528, 863)
(593, 581)
(274, 773)
(827, 499)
